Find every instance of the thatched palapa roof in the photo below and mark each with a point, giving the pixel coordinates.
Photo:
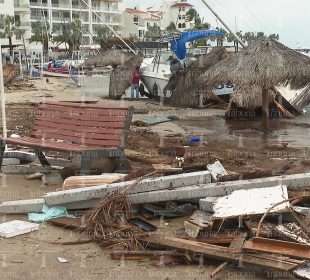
(185, 87)
(264, 63)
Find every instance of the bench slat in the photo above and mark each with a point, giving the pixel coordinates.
(40, 131)
(83, 105)
(83, 122)
(77, 139)
(86, 111)
(83, 117)
(48, 145)
(42, 125)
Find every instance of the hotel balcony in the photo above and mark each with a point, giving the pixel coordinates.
(38, 5)
(22, 8)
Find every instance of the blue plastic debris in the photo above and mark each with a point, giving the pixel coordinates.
(194, 139)
(49, 213)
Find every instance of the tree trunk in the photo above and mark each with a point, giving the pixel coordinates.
(265, 109)
(11, 48)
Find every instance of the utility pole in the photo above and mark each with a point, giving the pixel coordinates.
(224, 23)
(4, 130)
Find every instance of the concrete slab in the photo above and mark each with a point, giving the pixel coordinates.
(207, 203)
(23, 156)
(16, 227)
(148, 185)
(52, 179)
(21, 206)
(10, 161)
(294, 182)
(28, 169)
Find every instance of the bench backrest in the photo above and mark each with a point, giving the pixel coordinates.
(84, 124)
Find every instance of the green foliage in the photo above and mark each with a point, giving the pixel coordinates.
(172, 27)
(9, 28)
(71, 35)
(153, 32)
(40, 30)
(103, 33)
(199, 24)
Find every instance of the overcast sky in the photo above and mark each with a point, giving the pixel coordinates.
(290, 19)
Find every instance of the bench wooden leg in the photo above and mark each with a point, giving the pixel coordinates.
(42, 158)
(124, 166)
(2, 149)
(86, 161)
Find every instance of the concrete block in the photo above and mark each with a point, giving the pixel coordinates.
(59, 162)
(28, 169)
(207, 203)
(10, 161)
(21, 206)
(23, 156)
(52, 179)
(148, 185)
(217, 170)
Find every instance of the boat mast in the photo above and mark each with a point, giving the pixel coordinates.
(107, 25)
(224, 23)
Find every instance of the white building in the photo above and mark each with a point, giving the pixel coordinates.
(58, 12)
(6, 8)
(175, 11)
(142, 20)
(171, 11)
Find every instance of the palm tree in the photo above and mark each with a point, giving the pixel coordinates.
(171, 27)
(153, 32)
(192, 15)
(102, 34)
(41, 34)
(71, 35)
(8, 28)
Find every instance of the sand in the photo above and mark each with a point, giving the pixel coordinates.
(240, 146)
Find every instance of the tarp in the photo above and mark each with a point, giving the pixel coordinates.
(178, 46)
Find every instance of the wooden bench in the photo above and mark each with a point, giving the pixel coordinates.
(92, 130)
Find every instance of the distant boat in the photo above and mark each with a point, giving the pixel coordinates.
(155, 71)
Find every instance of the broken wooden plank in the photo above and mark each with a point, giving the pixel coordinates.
(221, 253)
(251, 202)
(217, 170)
(284, 248)
(138, 255)
(88, 181)
(66, 222)
(147, 185)
(292, 232)
(219, 269)
(34, 176)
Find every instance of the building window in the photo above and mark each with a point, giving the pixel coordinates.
(180, 17)
(147, 24)
(180, 25)
(1, 1)
(136, 20)
(183, 25)
(183, 9)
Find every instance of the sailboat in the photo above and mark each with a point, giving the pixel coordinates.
(155, 71)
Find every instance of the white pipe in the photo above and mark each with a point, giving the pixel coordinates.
(108, 26)
(4, 129)
(224, 23)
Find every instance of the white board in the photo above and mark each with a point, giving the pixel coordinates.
(251, 202)
(16, 227)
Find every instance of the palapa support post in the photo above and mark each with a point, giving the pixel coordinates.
(265, 109)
